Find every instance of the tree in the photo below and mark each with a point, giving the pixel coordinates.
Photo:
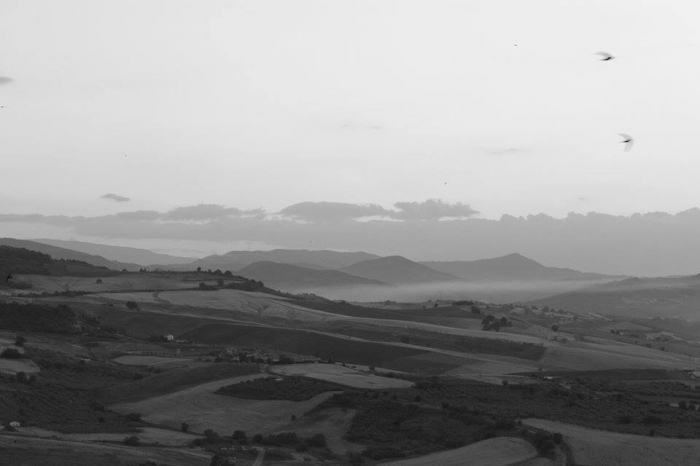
(98, 281)
(20, 340)
(132, 441)
(11, 353)
(220, 282)
(134, 417)
(184, 427)
(555, 327)
(132, 305)
(199, 269)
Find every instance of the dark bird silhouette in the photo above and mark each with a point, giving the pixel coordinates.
(9, 277)
(606, 56)
(628, 141)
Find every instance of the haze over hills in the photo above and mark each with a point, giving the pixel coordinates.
(635, 297)
(235, 260)
(398, 270)
(512, 267)
(138, 256)
(68, 254)
(288, 276)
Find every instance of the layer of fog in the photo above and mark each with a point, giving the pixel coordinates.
(491, 292)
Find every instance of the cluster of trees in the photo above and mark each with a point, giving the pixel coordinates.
(38, 318)
(490, 322)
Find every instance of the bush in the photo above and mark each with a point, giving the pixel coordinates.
(132, 441)
(11, 353)
(132, 305)
(20, 340)
(134, 417)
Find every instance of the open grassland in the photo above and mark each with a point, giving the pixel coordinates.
(173, 380)
(593, 447)
(117, 282)
(341, 375)
(136, 360)
(18, 450)
(202, 409)
(502, 451)
(147, 435)
(613, 355)
(13, 366)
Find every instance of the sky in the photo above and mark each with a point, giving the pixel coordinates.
(502, 105)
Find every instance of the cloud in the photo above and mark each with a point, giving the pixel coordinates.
(332, 211)
(203, 212)
(115, 197)
(5, 80)
(432, 209)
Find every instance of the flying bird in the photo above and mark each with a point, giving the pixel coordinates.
(9, 277)
(606, 56)
(628, 141)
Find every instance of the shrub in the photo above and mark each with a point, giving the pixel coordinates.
(134, 417)
(132, 441)
(20, 340)
(11, 353)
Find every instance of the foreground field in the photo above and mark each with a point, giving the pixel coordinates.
(343, 375)
(202, 409)
(502, 451)
(17, 450)
(595, 447)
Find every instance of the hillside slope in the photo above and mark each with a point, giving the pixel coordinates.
(286, 276)
(120, 254)
(235, 260)
(512, 267)
(398, 270)
(67, 254)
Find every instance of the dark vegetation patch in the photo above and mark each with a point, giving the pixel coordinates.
(418, 315)
(614, 374)
(294, 388)
(62, 396)
(40, 318)
(21, 261)
(172, 380)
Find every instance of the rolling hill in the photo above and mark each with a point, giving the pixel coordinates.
(288, 276)
(634, 297)
(513, 267)
(68, 254)
(235, 260)
(120, 254)
(398, 270)
(22, 261)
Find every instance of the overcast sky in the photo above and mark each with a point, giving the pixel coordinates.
(503, 106)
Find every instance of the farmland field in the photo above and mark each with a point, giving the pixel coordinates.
(502, 451)
(202, 409)
(592, 447)
(136, 360)
(17, 450)
(147, 435)
(341, 375)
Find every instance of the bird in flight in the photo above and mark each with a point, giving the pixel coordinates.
(628, 141)
(606, 56)
(9, 277)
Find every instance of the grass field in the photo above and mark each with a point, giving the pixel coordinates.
(30, 451)
(501, 451)
(136, 360)
(173, 380)
(593, 447)
(202, 409)
(342, 375)
(119, 282)
(148, 435)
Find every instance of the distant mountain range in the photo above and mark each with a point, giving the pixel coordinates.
(288, 276)
(68, 254)
(236, 260)
(513, 267)
(397, 270)
(142, 257)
